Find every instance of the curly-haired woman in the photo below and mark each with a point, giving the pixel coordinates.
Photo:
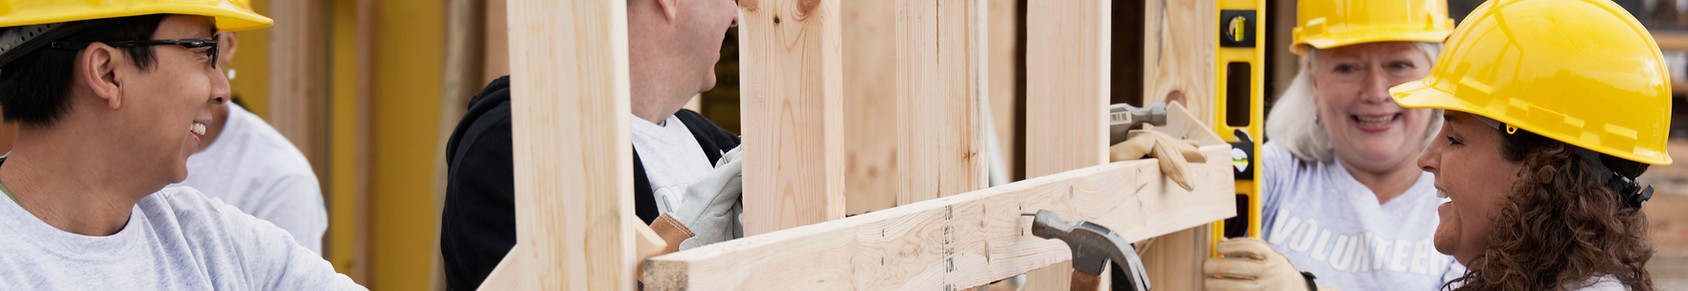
(1553, 107)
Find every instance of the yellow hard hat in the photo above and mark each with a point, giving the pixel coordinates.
(231, 15)
(1333, 23)
(1583, 72)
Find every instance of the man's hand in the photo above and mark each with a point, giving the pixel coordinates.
(711, 205)
(1250, 264)
(1174, 154)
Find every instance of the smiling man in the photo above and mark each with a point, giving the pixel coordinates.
(110, 100)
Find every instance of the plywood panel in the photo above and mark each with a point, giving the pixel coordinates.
(792, 72)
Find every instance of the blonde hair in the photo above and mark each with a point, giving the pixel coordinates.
(1294, 122)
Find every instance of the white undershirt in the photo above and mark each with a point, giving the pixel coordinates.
(672, 159)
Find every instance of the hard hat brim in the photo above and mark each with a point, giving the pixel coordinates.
(229, 17)
(1422, 94)
(1300, 46)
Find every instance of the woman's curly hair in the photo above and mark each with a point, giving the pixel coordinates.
(1561, 226)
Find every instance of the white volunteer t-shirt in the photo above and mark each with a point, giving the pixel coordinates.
(672, 159)
(253, 168)
(1325, 222)
(176, 239)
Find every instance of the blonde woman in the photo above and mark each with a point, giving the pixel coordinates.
(1343, 199)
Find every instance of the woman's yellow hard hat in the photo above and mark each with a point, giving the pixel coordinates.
(1333, 23)
(1583, 72)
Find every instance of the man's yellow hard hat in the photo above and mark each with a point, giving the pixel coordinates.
(1583, 72)
(1333, 23)
(231, 15)
(26, 25)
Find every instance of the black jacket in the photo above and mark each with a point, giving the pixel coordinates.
(478, 226)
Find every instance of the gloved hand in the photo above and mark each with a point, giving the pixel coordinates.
(1174, 154)
(1250, 264)
(711, 207)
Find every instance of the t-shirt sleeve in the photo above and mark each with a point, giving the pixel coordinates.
(273, 260)
(294, 203)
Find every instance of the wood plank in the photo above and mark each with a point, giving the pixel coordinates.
(572, 163)
(1179, 47)
(497, 37)
(871, 175)
(939, 150)
(791, 67)
(1068, 68)
(349, 199)
(1178, 53)
(298, 82)
(954, 241)
(1004, 48)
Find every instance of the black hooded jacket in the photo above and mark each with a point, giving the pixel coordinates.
(478, 226)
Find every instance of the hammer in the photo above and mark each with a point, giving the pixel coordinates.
(1093, 247)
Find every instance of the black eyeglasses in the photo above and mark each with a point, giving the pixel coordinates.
(190, 43)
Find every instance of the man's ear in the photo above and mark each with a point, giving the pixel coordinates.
(668, 8)
(98, 66)
(229, 45)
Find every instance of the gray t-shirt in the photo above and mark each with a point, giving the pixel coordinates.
(1329, 224)
(176, 239)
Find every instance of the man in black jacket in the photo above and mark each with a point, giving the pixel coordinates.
(673, 47)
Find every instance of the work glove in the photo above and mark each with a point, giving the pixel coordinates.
(1174, 154)
(710, 206)
(1250, 264)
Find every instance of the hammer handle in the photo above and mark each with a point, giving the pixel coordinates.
(1085, 282)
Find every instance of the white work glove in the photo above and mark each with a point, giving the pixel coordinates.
(1250, 264)
(1174, 154)
(711, 207)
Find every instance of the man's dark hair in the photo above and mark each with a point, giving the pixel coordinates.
(35, 89)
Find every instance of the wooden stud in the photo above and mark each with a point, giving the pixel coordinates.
(1067, 68)
(1180, 39)
(871, 176)
(349, 193)
(939, 148)
(569, 104)
(956, 241)
(791, 73)
(298, 83)
(1179, 46)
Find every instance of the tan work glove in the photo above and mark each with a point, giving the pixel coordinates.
(1175, 154)
(1250, 264)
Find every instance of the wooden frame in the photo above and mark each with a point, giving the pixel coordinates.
(957, 241)
(576, 231)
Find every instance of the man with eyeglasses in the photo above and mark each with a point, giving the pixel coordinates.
(111, 99)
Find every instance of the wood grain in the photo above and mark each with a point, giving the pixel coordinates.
(939, 145)
(956, 241)
(1067, 71)
(871, 175)
(569, 105)
(791, 70)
